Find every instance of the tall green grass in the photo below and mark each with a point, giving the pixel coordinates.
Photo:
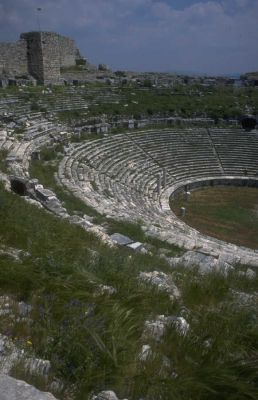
(93, 340)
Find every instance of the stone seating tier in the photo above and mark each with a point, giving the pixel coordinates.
(117, 174)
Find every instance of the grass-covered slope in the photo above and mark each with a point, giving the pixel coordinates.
(93, 339)
(181, 100)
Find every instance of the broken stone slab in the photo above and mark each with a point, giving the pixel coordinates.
(88, 218)
(9, 355)
(105, 395)
(55, 207)
(33, 201)
(244, 299)
(232, 259)
(37, 366)
(162, 281)
(14, 389)
(44, 194)
(75, 219)
(156, 328)
(135, 246)
(205, 263)
(145, 352)
(121, 239)
(250, 273)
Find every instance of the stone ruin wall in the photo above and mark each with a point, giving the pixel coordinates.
(40, 54)
(34, 55)
(68, 51)
(51, 57)
(13, 58)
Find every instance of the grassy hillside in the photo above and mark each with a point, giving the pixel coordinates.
(181, 100)
(93, 339)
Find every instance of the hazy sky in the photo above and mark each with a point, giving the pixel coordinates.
(212, 36)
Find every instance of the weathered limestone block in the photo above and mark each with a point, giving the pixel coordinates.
(105, 395)
(13, 389)
(204, 262)
(162, 281)
(156, 329)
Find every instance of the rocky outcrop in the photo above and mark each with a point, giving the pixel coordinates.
(13, 389)
(156, 329)
(162, 282)
(205, 263)
(105, 395)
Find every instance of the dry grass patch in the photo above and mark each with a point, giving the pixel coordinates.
(227, 213)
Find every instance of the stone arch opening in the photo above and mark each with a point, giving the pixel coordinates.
(18, 186)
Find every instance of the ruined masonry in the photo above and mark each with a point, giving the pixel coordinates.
(39, 55)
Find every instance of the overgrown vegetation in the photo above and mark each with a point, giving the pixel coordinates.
(182, 100)
(193, 101)
(93, 339)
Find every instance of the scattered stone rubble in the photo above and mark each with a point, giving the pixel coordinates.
(14, 353)
(16, 254)
(105, 395)
(123, 240)
(105, 290)
(244, 299)
(249, 273)
(146, 352)
(205, 263)
(156, 329)
(37, 366)
(162, 282)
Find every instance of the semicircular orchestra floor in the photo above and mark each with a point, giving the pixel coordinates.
(227, 213)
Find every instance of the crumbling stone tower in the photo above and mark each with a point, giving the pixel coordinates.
(43, 56)
(39, 54)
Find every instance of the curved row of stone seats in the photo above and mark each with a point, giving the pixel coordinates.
(237, 150)
(109, 160)
(121, 160)
(75, 99)
(103, 95)
(118, 196)
(13, 104)
(37, 133)
(38, 129)
(6, 144)
(65, 100)
(133, 161)
(105, 190)
(60, 102)
(109, 196)
(184, 152)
